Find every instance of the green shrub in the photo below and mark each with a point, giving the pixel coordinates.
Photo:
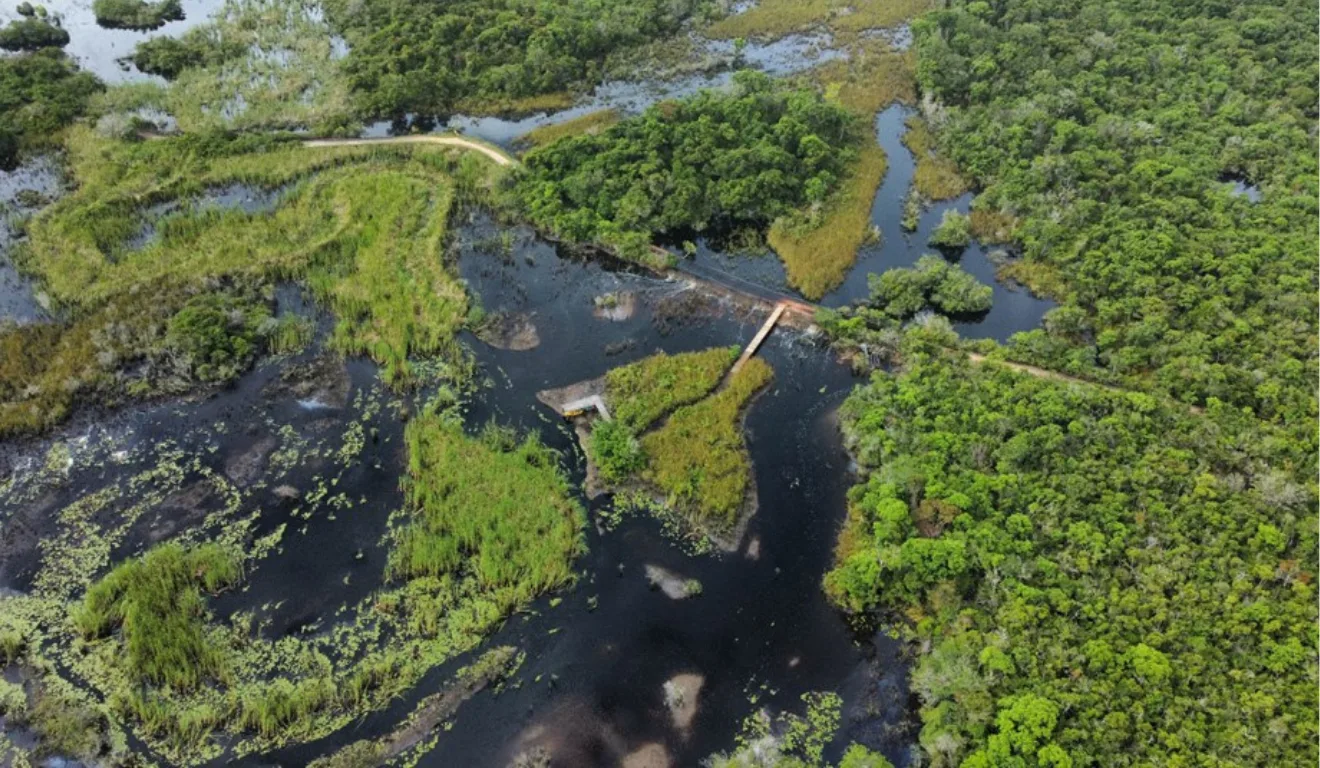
(40, 93)
(615, 451)
(954, 231)
(31, 34)
(166, 56)
(215, 336)
(932, 282)
(136, 14)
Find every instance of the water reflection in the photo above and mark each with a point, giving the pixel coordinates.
(98, 50)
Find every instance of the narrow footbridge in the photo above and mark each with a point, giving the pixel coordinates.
(755, 343)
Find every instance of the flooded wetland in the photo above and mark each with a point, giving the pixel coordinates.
(332, 452)
(300, 459)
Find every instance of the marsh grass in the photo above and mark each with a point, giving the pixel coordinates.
(496, 510)
(289, 335)
(773, 19)
(818, 258)
(936, 177)
(640, 393)
(590, 123)
(156, 601)
(699, 459)
(364, 228)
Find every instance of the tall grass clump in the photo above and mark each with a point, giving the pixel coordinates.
(699, 458)
(497, 511)
(157, 602)
(642, 392)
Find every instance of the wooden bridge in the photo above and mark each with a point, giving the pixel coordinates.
(755, 343)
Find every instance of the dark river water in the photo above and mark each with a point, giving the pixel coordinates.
(760, 634)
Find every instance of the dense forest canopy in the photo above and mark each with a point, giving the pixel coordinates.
(754, 153)
(1100, 578)
(427, 57)
(1107, 128)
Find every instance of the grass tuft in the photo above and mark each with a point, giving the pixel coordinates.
(157, 601)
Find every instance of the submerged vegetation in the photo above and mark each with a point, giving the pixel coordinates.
(1096, 577)
(749, 155)
(489, 524)
(254, 64)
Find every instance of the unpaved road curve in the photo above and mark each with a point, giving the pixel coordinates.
(498, 156)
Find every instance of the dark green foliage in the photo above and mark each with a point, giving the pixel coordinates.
(1106, 128)
(640, 393)
(214, 336)
(157, 600)
(425, 58)
(1099, 578)
(615, 451)
(30, 34)
(136, 14)
(166, 56)
(932, 282)
(40, 93)
(954, 231)
(751, 154)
